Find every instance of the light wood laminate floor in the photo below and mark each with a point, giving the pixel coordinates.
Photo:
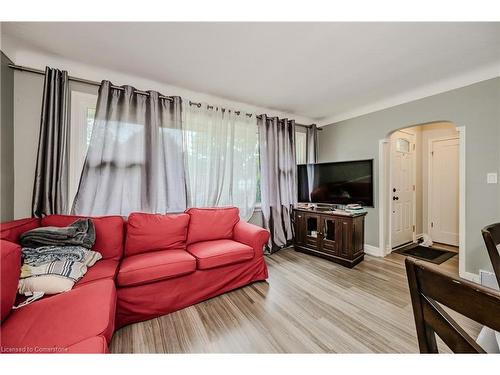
(308, 305)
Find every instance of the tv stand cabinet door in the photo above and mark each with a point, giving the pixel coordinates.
(309, 233)
(330, 235)
(299, 223)
(358, 236)
(345, 243)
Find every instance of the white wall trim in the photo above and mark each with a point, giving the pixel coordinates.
(373, 251)
(462, 208)
(481, 74)
(80, 101)
(382, 194)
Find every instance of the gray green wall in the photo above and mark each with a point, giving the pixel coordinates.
(477, 107)
(7, 140)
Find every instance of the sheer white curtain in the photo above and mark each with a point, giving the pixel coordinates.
(221, 153)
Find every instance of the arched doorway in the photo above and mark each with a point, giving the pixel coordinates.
(412, 187)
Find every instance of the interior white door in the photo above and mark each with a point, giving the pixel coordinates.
(402, 187)
(443, 191)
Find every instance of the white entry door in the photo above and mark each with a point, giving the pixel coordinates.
(402, 187)
(443, 191)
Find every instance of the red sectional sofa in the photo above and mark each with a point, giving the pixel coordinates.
(151, 265)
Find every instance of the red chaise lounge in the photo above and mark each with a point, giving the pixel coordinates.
(151, 265)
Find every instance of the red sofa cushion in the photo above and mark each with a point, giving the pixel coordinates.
(10, 267)
(108, 232)
(211, 223)
(64, 319)
(103, 269)
(150, 232)
(11, 230)
(92, 345)
(158, 265)
(165, 296)
(211, 254)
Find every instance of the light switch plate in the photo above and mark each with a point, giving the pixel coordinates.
(491, 178)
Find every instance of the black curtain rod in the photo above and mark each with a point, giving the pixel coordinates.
(95, 83)
(211, 107)
(81, 80)
(247, 114)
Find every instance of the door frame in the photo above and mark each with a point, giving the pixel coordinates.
(429, 179)
(414, 182)
(384, 164)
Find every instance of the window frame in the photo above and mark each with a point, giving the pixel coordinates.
(81, 102)
(300, 147)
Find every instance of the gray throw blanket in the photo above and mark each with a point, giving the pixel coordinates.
(46, 254)
(79, 233)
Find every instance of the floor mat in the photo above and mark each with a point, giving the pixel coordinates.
(430, 254)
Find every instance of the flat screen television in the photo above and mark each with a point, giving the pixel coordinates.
(336, 183)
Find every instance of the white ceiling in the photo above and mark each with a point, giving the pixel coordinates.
(318, 70)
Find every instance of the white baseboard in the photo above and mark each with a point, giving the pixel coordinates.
(373, 251)
(388, 250)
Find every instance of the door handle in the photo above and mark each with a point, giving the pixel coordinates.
(395, 198)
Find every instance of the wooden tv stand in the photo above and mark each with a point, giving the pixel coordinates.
(331, 234)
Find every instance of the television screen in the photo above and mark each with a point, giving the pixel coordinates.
(336, 183)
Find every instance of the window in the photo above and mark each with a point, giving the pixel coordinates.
(402, 145)
(82, 120)
(300, 147)
(242, 174)
(90, 123)
(221, 151)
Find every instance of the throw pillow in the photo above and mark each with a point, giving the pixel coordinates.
(47, 284)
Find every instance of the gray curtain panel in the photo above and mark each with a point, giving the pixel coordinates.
(312, 144)
(135, 160)
(50, 190)
(278, 178)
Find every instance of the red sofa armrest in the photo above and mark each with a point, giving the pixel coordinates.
(11, 230)
(251, 235)
(10, 266)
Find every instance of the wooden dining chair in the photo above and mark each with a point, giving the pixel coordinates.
(491, 236)
(429, 289)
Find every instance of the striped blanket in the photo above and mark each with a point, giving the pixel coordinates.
(46, 254)
(65, 268)
(67, 261)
